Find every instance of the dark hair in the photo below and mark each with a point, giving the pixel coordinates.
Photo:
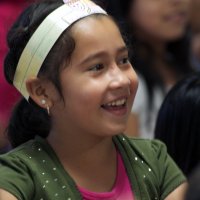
(193, 190)
(177, 55)
(28, 119)
(178, 122)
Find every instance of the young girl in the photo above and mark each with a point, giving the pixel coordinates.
(71, 64)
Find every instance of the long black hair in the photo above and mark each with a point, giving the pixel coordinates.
(177, 55)
(178, 122)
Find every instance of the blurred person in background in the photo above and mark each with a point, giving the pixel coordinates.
(9, 11)
(161, 56)
(178, 124)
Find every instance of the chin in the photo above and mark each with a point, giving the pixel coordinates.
(175, 35)
(117, 130)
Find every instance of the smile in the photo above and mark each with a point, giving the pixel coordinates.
(117, 107)
(116, 103)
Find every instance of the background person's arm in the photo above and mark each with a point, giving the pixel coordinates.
(4, 195)
(178, 193)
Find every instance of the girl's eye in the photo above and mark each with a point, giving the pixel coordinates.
(97, 67)
(124, 61)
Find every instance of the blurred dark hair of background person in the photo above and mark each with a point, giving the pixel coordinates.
(178, 123)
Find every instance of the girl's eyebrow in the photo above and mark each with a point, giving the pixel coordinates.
(120, 50)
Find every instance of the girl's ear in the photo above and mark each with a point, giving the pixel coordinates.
(39, 92)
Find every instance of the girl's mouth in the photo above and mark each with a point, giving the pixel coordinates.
(178, 17)
(117, 107)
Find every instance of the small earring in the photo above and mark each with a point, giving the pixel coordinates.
(48, 110)
(43, 101)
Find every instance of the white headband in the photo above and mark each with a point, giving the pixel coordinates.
(45, 37)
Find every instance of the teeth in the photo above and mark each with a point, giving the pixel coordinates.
(117, 103)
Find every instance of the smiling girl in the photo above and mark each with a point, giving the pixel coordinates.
(71, 64)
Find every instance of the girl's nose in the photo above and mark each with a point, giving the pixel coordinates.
(118, 78)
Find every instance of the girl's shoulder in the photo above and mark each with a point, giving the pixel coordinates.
(147, 145)
(32, 171)
(148, 162)
(24, 151)
(148, 149)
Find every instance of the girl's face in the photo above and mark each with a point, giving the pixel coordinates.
(99, 84)
(163, 20)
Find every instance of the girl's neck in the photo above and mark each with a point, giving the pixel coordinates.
(87, 159)
(160, 64)
(159, 48)
(166, 71)
(158, 45)
(77, 145)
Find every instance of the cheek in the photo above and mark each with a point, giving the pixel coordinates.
(84, 92)
(134, 81)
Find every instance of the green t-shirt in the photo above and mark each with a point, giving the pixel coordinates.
(32, 171)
